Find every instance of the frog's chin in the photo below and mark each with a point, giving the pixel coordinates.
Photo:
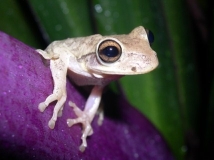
(107, 75)
(98, 75)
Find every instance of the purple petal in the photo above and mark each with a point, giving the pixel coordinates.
(24, 134)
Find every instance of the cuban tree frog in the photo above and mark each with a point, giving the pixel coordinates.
(94, 60)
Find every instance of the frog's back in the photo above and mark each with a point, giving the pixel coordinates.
(77, 46)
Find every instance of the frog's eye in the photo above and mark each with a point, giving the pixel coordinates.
(109, 51)
(150, 36)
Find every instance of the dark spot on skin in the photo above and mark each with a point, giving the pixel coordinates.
(134, 69)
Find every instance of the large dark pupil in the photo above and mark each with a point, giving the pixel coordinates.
(110, 51)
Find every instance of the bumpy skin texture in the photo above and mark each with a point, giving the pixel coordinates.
(25, 81)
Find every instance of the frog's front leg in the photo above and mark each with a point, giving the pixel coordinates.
(59, 70)
(87, 115)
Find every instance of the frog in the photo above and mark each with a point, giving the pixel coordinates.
(95, 61)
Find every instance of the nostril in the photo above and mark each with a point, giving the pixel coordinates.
(134, 69)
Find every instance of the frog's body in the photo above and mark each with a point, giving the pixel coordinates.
(94, 60)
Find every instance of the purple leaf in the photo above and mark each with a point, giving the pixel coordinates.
(24, 134)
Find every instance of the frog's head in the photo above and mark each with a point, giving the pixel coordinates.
(123, 54)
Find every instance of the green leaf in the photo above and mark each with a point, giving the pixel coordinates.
(62, 19)
(17, 23)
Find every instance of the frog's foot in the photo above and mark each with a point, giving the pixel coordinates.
(57, 109)
(85, 119)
